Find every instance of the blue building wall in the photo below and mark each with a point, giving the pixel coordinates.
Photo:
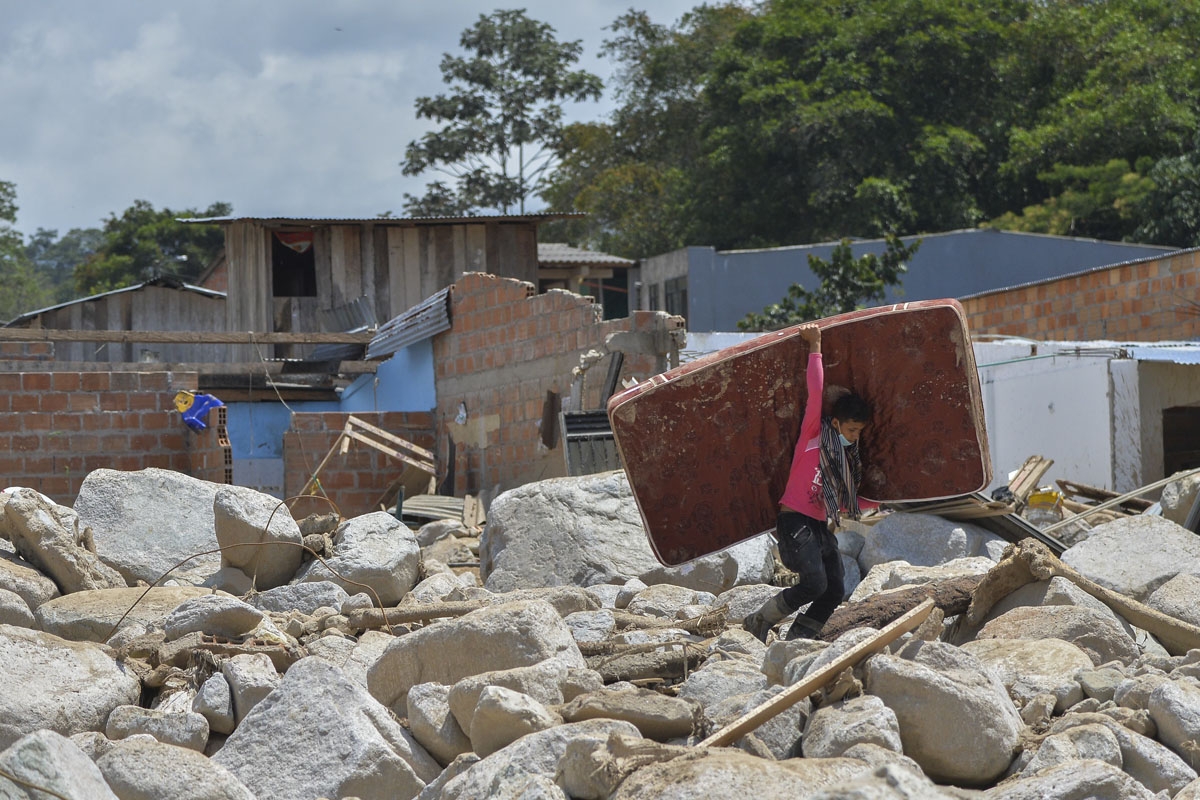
(725, 286)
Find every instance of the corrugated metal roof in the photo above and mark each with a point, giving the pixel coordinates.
(169, 283)
(540, 216)
(555, 253)
(426, 319)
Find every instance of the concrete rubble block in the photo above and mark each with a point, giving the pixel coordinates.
(717, 680)
(1177, 598)
(1150, 763)
(579, 531)
(1085, 741)
(1029, 667)
(337, 741)
(661, 600)
(724, 773)
(303, 597)
(14, 610)
(502, 716)
(1083, 778)
(53, 539)
(432, 724)
(748, 562)
(142, 770)
(834, 729)
(188, 729)
(251, 677)
(65, 686)
(91, 615)
(496, 637)
(1092, 632)
(214, 702)
(956, 720)
(25, 580)
(1175, 708)
(1135, 555)
(147, 521)
(591, 626)
(1178, 496)
(257, 535)
(542, 681)
(923, 540)
(376, 550)
(655, 715)
(214, 615)
(780, 734)
(536, 754)
(50, 760)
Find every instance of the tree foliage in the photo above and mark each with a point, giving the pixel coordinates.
(144, 243)
(502, 118)
(796, 121)
(24, 289)
(846, 284)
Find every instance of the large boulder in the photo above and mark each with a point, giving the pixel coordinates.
(65, 686)
(657, 716)
(433, 725)
(835, 728)
(580, 531)
(1082, 778)
(376, 550)
(498, 637)
(143, 770)
(1028, 667)
(543, 682)
(956, 720)
(1178, 496)
(55, 763)
(257, 535)
(723, 773)
(923, 540)
(750, 561)
(53, 539)
(318, 734)
(91, 615)
(22, 578)
(146, 522)
(1135, 555)
(1096, 634)
(1177, 598)
(303, 597)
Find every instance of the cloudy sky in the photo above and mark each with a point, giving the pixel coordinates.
(280, 107)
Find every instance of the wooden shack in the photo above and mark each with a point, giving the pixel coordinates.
(289, 274)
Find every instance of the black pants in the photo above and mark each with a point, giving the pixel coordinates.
(808, 548)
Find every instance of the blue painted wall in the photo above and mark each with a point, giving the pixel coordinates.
(724, 286)
(403, 383)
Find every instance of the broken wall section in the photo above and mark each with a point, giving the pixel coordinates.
(508, 349)
(56, 427)
(361, 478)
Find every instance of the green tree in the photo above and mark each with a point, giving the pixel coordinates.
(145, 243)
(24, 289)
(846, 284)
(57, 258)
(1170, 212)
(1102, 201)
(503, 116)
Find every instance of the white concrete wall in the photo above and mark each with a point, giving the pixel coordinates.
(1052, 406)
(1161, 385)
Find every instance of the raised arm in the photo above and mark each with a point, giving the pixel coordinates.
(811, 425)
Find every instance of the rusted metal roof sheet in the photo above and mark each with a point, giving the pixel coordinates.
(420, 322)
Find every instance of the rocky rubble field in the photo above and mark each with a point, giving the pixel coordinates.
(570, 664)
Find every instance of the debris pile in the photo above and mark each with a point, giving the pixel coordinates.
(167, 637)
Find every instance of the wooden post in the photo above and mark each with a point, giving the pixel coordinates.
(794, 694)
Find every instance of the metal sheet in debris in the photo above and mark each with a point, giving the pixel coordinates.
(426, 319)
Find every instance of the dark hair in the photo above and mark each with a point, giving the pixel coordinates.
(851, 408)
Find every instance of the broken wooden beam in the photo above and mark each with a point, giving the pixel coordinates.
(951, 595)
(797, 692)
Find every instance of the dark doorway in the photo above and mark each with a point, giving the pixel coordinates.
(1181, 439)
(293, 266)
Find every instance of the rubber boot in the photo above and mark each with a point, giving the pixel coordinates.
(804, 628)
(760, 622)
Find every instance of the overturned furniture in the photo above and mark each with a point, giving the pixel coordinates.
(418, 475)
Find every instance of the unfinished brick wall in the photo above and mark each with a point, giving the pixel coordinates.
(56, 427)
(1153, 299)
(357, 480)
(507, 348)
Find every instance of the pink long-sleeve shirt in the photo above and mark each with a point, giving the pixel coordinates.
(803, 492)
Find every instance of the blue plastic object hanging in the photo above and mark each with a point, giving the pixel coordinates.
(195, 407)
